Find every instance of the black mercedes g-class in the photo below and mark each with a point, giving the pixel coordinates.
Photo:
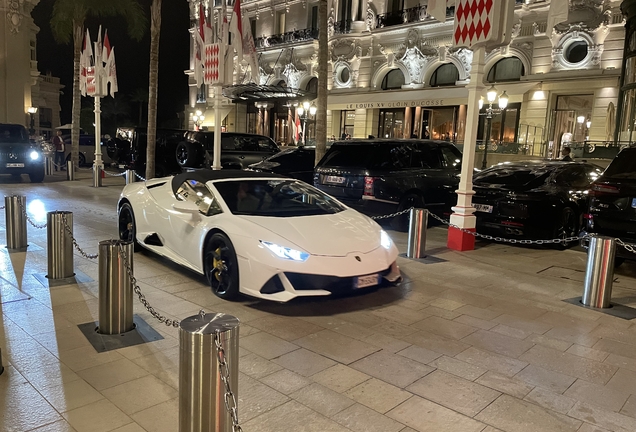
(18, 155)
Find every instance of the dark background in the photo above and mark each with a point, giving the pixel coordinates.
(132, 59)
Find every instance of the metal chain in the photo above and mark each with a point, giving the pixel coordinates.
(142, 298)
(24, 212)
(230, 399)
(2, 208)
(392, 214)
(139, 177)
(115, 175)
(67, 228)
(507, 240)
(629, 247)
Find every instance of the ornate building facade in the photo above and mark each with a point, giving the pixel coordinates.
(394, 72)
(22, 85)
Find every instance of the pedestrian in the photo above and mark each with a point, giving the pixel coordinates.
(348, 137)
(58, 143)
(414, 134)
(566, 154)
(344, 135)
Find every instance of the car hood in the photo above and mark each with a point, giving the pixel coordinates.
(328, 235)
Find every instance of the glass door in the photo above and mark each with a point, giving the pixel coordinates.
(391, 124)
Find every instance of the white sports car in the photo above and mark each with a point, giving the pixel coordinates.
(258, 234)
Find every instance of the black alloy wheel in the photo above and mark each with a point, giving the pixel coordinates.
(566, 227)
(221, 266)
(188, 154)
(401, 222)
(126, 224)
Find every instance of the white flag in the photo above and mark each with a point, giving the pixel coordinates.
(559, 10)
(249, 51)
(85, 63)
(437, 9)
(236, 30)
(108, 56)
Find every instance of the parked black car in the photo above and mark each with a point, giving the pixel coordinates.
(533, 199)
(18, 155)
(238, 150)
(612, 207)
(381, 176)
(294, 162)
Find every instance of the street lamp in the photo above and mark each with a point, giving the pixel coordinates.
(306, 110)
(198, 118)
(32, 110)
(491, 95)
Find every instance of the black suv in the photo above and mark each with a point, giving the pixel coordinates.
(128, 150)
(612, 210)
(381, 176)
(18, 155)
(238, 150)
(294, 162)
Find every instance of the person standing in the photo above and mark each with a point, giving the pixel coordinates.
(566, 154)
(58, 143)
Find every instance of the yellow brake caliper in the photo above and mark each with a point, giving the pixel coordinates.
(218, 264)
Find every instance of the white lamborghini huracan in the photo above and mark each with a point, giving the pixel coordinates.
(258, 234)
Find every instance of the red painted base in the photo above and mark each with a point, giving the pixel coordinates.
(459, 240)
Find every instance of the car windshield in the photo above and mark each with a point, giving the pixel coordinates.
(623, 166)
(278, 198)
(13, 134)
(513, 177)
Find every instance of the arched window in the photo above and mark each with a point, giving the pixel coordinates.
(394, 79)
(312, 86)
(508, 69)
(445, 75)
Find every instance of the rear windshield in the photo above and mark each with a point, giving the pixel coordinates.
(623, 165)
(277, 198)
(382, 156)
(13, 134)
(511, 178)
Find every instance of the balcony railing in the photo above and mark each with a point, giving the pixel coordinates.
(286, 38)
(410, 15)
(342, 27)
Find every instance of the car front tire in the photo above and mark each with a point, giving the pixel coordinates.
(188, 154)
(221, 266)
(127, 227)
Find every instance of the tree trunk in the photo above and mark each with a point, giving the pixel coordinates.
(155, 30)
(78, 38)
(321, 112)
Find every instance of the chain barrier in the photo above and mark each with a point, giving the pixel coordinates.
(630, 247)
(139, 177)
(392, 214)
(115, 175)
(67, 228)
(2, 208)
(142, 298)
(230, 399)
(24, 212)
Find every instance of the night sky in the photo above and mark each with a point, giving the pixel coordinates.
(132, 57)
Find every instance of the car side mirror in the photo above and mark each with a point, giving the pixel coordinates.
(186, 207)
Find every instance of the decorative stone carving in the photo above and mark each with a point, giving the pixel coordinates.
(465, 57)
(14, 14)
(345, 49)
(331, 22)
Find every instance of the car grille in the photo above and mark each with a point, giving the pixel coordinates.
(334, 284)
(9, 156)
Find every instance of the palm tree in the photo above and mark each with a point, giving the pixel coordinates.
(67, 23)
(140, 96)
(153, 78)
(321, 112)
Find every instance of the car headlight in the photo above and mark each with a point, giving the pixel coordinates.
(385, 240)
(285, 252)
(34, 155)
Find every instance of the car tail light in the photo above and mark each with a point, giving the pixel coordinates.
(510, 223)
(368, 186)
(603, 189)
(588, 216)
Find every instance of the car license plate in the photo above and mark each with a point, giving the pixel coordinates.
(634, 202)
(334, 179)
(483, 208)
(366, 281)
(15, 165)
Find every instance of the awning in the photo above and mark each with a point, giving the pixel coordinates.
(265, 93)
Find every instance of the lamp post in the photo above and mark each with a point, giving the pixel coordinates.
(198, 118)
(491, 95)
(32, 110)
(306, 110)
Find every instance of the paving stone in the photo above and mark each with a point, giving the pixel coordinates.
(378, 395)
(419, 354)
(498, 343)
(292, 416)
(285, 381)
(495, 362)
(392, 368)
(510, 386)
(304, 362)
(321, 399)
(547, 379)
(340, 378)
(458, 367)
(426, 416)
(335, 346)
(359, 418)
(437, 343)
(444, 327)
(550, 400)
(599, 395)
(267, 345)
(602, 417)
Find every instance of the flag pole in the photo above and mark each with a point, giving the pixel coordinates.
(218, 88)
(98, 163)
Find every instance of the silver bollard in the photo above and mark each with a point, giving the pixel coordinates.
(59, 244)
(98, 171)
(416, 246)
(115, 288)
(15, 216)
(201, 390)
(130, 176)
(70, 171)
(48, 165)
(599, 272)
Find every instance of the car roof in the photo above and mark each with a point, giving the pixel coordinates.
(205, 175)
(539, 164)
(360, 141)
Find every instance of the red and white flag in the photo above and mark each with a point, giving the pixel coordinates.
(85, 65)
(236, 30)
(213, 69)
(108, 55)
(297, 129)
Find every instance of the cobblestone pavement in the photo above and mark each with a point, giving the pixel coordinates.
(476, 341)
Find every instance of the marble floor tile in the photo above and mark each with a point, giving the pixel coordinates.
(100, 416)
(601, 417)
(511, 386)
(304, 362)
(426, 416)
(458, 367)
(293, 416)
(140, 394)
(163, 417)
(550, 400)
(491, 361)
(359, 418)
(340, 378)
(322, 400)
(392, 368)
(605, 397)
(544, 378)
(335, 346)
(378, 395)
(285, 381)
